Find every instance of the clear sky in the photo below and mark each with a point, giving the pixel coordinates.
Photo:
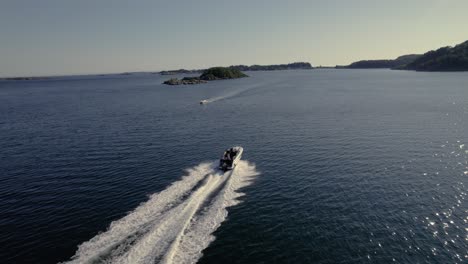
(59, 37)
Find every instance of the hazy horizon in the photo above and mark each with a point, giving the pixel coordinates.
(64, 38)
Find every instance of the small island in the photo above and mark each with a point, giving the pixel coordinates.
(23, 78)
(211, 74)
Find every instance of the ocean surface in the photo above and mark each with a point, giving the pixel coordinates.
(339, 166)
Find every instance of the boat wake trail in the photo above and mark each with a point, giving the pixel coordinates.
(229, 95)
(173, 226)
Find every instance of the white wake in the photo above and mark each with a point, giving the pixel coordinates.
(229, 94)
(173, 226)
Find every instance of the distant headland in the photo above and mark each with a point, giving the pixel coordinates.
(382, 64)
(442, 59)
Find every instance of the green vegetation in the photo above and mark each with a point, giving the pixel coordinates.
(406, 59)
(219, 73)
(443, 59)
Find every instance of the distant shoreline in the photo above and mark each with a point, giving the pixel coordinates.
(45, 78)
(445, 59)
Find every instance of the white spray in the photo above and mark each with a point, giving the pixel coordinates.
(172, 226)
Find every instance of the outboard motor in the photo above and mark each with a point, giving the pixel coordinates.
(224, 165)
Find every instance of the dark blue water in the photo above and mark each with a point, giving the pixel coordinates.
(356, 166)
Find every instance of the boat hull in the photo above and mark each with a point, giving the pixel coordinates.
(227, 165)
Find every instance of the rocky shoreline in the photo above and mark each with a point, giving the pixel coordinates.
(184, 81)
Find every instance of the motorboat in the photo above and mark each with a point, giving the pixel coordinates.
(203, 101)
(230, 158)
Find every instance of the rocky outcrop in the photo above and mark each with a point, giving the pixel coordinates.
(184, 81)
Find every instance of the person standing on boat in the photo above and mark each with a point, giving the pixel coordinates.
(228, 157)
